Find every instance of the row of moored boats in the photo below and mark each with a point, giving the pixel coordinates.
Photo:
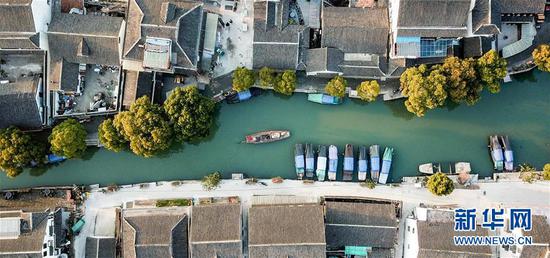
(501, 152)
(326, 162)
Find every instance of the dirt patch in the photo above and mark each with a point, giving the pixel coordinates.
(35, 200)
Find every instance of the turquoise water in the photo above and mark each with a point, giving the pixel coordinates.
(521, 110)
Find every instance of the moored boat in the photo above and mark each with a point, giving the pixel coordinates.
(332, 162)
(321, 163)
(324, 99)
(508, 153)
(348, 163)
(299, 160)
(496, 153)
(310, 160)
(362, 164)
(386, 165)
(237, 97)
(267, 136)
(463, 167)
(374, 152)
(429, 168)
(52, 158)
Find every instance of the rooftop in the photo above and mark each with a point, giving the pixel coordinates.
(435, 239)
(286, 230)
(19, 104)
(28, 241)
(100, 247)
(155, 232)
(520, 6)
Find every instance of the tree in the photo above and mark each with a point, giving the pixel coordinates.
(368, 90)
(68, 139)
(546, 172)
(18, 150)
(190, 113)
(146, 128)
(491, 69)
(462, 84)
(541, 55)
(286, 82)
(423, 88)
(527, 173)
(110, 137)
(211, 182)
(440, 184)
(267, 77)
(337, 86)
(243, 79)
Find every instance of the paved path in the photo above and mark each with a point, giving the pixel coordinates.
(505, 194)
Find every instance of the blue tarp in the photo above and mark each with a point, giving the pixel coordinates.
(332, 165)
(348, 164)
(375, 164)
(408, 40)
(509, 155)
(497, 155)
(299, 161)
(310, 163)
(244, 95)
(386, 165)
(52, 158)
(362, 166)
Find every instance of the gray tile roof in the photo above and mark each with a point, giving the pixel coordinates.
(362, 224)
(324, 59)
(20, 41)
(136, 84)
(216, 230)
(100, 247)
(450, 15)
(436, 240)
(16, 16)
(180, 21)
(521, 6)
(356, 30)
(540, 230)
(534, 251)
(155, 232)
(99, 33)
(481, 19)
(282, 46)
(28, 244)
(286, 230)
(19, 107)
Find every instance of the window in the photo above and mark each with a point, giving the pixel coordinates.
(413, 230)
(409, 228)
(408, 246)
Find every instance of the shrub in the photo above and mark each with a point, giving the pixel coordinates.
(440, 184)
(337, 87)
(368, 184)
(368, 90)
(211, 181)
(546, 172)
(267, 77)
(286, 82)
(173, 202)
(243, 79)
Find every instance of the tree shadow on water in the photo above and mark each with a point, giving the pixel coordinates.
(89, 153)
(399, 110)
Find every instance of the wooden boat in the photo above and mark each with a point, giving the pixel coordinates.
(321, 163)
(348, 163)
(429, 168)
(362, 164)
(453, 167)
(386, 165)
(234, 97)
(332, 162)
(267, 136)
(299, 160)
(324, 99)
(374, 152)
(496, 153)
(310, 161)
(508, 153)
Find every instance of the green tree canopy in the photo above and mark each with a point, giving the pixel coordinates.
(17, 150)
(243, 79)
(286, 82)
(440, 184)
(211, 181)
(491, 69)
(146, 127)
(546, 171)
(267, 77)
(110, 137)
(337, 86)
(423, 88)
(368, 90)
(68, 139)
(541, 55)
(462, 85)
(190, 113)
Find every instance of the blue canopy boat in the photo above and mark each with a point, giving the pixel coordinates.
(299, 160)
(362, 164)
(348, 163)
(508, 153)
(310, 160)
(52, 158)
(321, 163)
(496, 153)
(237, 97)
(374, 152)
(332, 162)
(324, 99)
(386, 165)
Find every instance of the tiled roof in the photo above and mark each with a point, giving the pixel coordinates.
(19, 107)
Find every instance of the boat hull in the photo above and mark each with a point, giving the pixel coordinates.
(321, 163)
(348, 163)
(310, 161)
(362, 164)
(267, 137)
(386, 166)
(332, 162)
(324, 99)
(496, 153)
(374, 152)
(299, 161)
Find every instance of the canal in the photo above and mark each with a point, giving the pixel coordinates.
(521, 110)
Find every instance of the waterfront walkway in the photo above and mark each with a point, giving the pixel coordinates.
(504, 194)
